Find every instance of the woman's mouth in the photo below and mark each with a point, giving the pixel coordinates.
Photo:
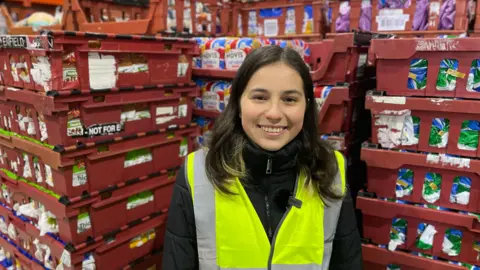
(273, 130)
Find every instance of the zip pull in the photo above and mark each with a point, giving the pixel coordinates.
(269, 166)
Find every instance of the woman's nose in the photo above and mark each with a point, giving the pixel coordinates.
(274, 112)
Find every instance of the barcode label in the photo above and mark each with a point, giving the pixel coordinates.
(270, 27)
(392, 22)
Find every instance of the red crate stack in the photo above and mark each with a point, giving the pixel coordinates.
(421, 203)
(85, 178)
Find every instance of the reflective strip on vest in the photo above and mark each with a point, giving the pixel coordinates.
(284, 258)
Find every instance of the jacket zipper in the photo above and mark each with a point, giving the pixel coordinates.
(267, 204)
(272, 248)
(267, 207)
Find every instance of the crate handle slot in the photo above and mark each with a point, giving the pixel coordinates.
(94, 44)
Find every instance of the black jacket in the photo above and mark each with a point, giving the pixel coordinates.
(269, 195)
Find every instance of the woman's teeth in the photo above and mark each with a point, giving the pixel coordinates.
(272, 129)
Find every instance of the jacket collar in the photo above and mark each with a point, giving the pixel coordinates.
(262, 162)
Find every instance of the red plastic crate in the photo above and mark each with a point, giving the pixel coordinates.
(112, 251)
(102, 209)
(392, 58)
(150, 262)
(388, 118)
(339, 59)
(244, 11)
(338, 112)
(460, 19)
(67, 56)
(377, 222)
(383, 167)
(98, 166)
(17, 257)
(54, 118)
(376, 258)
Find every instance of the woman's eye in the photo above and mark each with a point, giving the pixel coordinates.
(290, 100)
(259, 97)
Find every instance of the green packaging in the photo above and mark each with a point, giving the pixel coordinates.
(404, 186)
(425, 235)
(393, 267)
(140, 199)
(432, 187)
(417, 77)
(461, 190)
(473, 82)
(468, 139)
(452, 242)
(447, 80)
(398, 233)
(137, 157)
(439, 132)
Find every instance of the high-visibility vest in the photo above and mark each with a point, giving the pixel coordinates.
(230, 234)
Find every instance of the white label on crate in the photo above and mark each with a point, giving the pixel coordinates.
(182, 110)
(28, 42)
(440, 44)
(391, 20)
(390, 100)
(234, 58)
(164, 119)
(448, 160)
(270, 27)
(75, 128)
(79, 178)
(164, 110)
(83, 224)
(66, 258)
(104, 129)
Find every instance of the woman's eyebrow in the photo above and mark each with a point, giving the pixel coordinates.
(294, 91)
(258, 90)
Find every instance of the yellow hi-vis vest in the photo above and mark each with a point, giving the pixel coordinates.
(230, 234)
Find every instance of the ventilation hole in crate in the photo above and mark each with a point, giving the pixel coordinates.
(439, 132)
(98, 99)
(468, 139)
(473, 83)
(106, 195)
(448, 74)
(417, 76)
(425, 236)
(404, 186)
(432, 187)
(452, 242)
(461, 188)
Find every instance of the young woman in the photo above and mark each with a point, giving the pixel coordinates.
(267, 193)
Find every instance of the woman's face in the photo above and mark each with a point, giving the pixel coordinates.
(273, 105)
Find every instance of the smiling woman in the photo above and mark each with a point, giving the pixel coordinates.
(272, 115)
(267, 193)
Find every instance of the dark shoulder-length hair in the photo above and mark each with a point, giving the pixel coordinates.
(316, 157)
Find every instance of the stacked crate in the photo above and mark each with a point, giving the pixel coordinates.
(93, 130)
(421, 206)
(402, 18)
